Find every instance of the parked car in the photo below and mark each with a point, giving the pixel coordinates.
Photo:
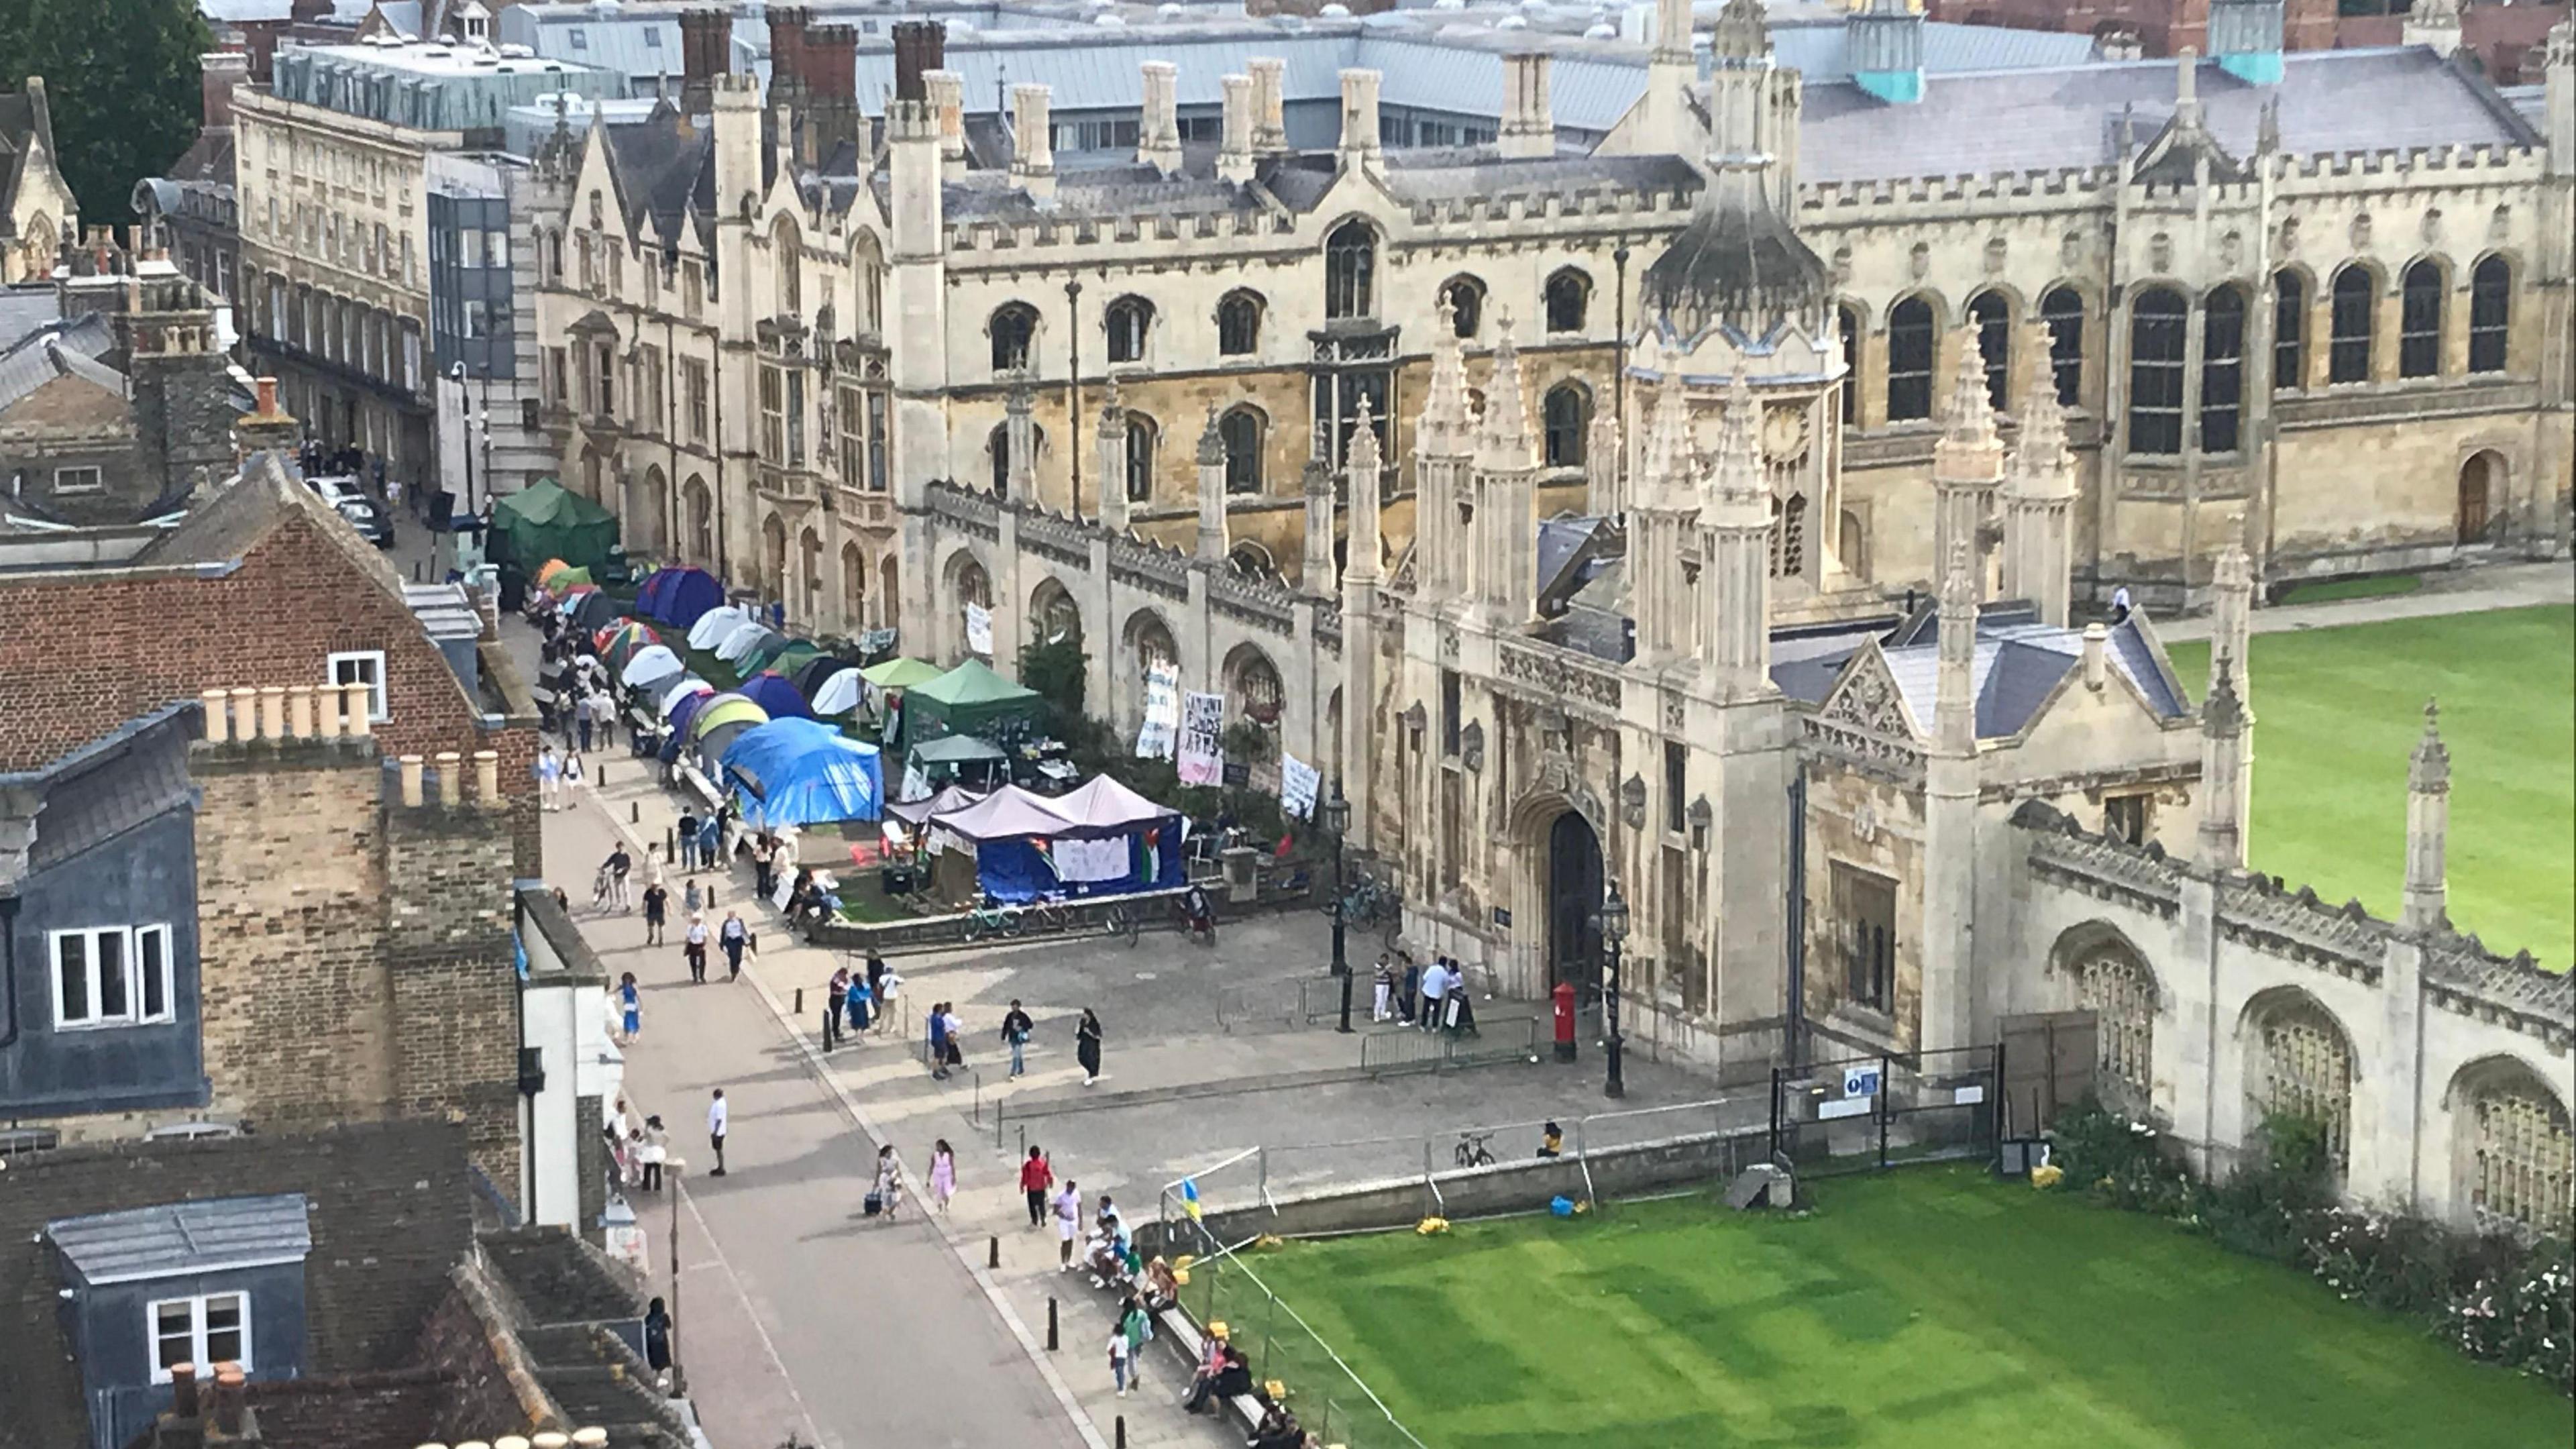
(370, 518)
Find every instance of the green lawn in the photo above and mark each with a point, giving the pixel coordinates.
(1921, 1309)
(2377, 586)
(2339, 712)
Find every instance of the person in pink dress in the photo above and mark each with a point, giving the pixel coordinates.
(943, 1175)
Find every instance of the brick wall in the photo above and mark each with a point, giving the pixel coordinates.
(484, 1400)
(391, 1215)
(355, 953)
(389, 1410)
(84, 652)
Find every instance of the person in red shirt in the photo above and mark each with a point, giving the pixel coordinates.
(1036, 1176)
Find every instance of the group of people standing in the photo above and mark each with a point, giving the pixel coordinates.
(1436, 999)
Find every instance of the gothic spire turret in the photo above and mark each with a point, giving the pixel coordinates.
(1509, 442)
(1362, 470)
(1967, 464)
(2428, 827)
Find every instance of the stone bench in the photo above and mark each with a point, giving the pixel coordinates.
(1186, 1337)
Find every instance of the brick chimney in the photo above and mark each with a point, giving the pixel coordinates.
(948, 111)
(706, 51)
(1269, 105)
(1359, 117)
(920, 46)
(218, 71)
(1234, 143)
(267, 428)
(831, 89)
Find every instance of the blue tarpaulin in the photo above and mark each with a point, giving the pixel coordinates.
(797, 772)
(678, 596)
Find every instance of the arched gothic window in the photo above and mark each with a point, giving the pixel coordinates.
(1567, 417)
(1240, 431)
(1569, 296)
(1238, 324)
(2222, 370)
(1141, 437)
(1993, 318)
(1350, 271)
(1467, 305)
(2490, 314)
(1909, 361)
(2419, 321)
(1127, 320)
(2063, 310)
(1847, 330)
(2356, 301)
(1014, 328)
(2289, 331)
(2157, 323)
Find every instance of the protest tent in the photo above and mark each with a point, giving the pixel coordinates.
(672, 693)
(715, 625)
(545, 520)
(1101, 803)
(809, 673)
(777, 695)
(679, 597)
(900, 673)
(797, 772)
(594, 610)
(716, 726)
(569, 577)
(685, 711)
(916, 812)
(619, 642)
(958, 757)
(651, 665)
(838, 694)
(782, 654)
(746, 637)
(548, 571)
(968, 700)
(1027, 845)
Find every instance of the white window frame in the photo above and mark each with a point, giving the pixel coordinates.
(97, 481)
(380, 707)
(197, 1350)
(168, 974)
(90, 936)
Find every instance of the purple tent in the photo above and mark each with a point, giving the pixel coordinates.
(777, 694)
(678, 596)
(687, 710)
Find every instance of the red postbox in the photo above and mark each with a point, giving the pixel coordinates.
(1563, 997)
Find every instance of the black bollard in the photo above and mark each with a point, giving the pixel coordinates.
(993, 1252)
(800, 1001)
(671, 843)
(1119, 1427)
(1051, 1327)
(634, 812)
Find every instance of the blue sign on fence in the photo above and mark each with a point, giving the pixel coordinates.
(1860, 1081)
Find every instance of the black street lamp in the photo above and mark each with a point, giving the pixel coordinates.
(1614, 930)
(1337, 818)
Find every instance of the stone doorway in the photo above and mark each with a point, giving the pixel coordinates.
(2479, 479)
(1574, 880)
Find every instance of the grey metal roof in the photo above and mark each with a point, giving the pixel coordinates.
(2018, 662)
(69, 349)
(136, 774)
(2331, 101)
(186, 1237)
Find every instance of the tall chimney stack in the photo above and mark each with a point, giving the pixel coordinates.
(920, 46)
(1158, 141)
(948, 109)
(1359, 117)
(706, 44)
(1269, 106)
(1033, 142)
(1529, 121)
(1234, 145)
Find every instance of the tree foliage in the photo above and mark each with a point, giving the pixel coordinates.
(121, 80)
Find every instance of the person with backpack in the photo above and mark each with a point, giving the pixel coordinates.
(1016, 1028)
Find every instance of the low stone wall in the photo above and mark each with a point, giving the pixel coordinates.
(1518, 1186)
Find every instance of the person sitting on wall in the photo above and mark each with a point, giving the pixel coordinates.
(1551, 1141)
(1162, 1286)
(1231, 1379)
(1278, 1429)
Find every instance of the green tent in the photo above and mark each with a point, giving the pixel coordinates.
(968, 700)
(545, 521)
(900, 673)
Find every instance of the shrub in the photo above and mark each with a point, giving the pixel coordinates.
(2494, 1296)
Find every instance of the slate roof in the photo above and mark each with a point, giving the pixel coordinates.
(135, 773)
(2035, 120)
(2019, 660)
(244, 511)
(58, 349)
(663, 172)
(188, 1237)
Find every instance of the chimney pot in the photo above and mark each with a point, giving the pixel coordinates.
(591, 1438)
(451, 777)
(361, 708)
(1269, 105)
(272, 712)
(411, 780)
(299, 712)
(1234, 146)
(228, 1397)
(218, 708)
(1033, 141)
(1529, 120)
(183, 1390)
(2096, 643)
(1158, 143)
(487, 777)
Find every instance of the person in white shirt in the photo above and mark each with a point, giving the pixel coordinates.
(716, 1130)
(1435, 988)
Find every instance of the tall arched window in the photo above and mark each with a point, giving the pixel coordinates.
(2490, 314)
(1567, 417)
(1238, 324)
(1569, 296)
(1014, 327)
(787, 255)
(2222, 370)
(1127, 318)
(2289, 331)
(1909, 361)
(2156, 339)
(2419, 321)
(1240, 431)
(2356, 299)
(2063, 310)
(1350, 271)
(1993, 318)
(1466, 298)
(1141, 437)
(1847, 330)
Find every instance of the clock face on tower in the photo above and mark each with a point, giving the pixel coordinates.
(1784, 433)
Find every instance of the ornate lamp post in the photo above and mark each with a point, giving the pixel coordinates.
(1613, 919)
(1337, 818)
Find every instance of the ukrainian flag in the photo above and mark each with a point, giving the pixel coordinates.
(1190, 1198)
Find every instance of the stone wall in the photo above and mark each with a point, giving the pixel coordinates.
(391, 1213)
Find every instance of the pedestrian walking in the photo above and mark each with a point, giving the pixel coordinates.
(549, 780)
(1383, 1006)
(836, 996)
(657, 912)
(862, 1004)
(937, 1025)
(690, 900)
(1068, 1224)
(888, 987)
(889, 1189)
(630, 1006)
(943, 1175)
(1086, 1046)
(716, 1120)
(1016, 1027)
(582, 710)
(618, 866)
(693, 945)
(955, 1030)
(733, 935)
(1137, 1328)
(1036, 1176)
(657, 1150)
(688, 840)
(1118, 1359)
(657, 1337)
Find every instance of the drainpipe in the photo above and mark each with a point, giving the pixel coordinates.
(9, 965)
(1619, 362)
(1797, 910)
(1073, 324)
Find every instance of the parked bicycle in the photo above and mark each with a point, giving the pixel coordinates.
(1473, 1151)
(1120, 922)
(992, 919)
(1369, 905)
(1049, 913)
